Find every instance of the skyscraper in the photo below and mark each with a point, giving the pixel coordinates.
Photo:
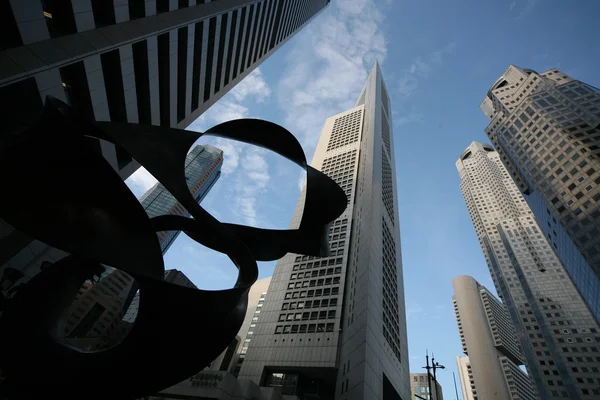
(467, 382)
(336, 325)
(256, 301)
(97, 310)
(202, 169)
(419, 388)
(546, 128)
(489, 338)
(558, 334)
(160, 62)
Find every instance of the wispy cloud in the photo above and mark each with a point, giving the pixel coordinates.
(140, 182)
(420, 68)
(327, 68)
(251, 182)
(410, 117)
(414, 310)
(302, 180)
(253, 86)
(526, 9)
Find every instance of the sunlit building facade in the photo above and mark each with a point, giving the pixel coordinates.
(419, 388)
(336, 325)
(558, 334)
(546, 128)
(488, 336)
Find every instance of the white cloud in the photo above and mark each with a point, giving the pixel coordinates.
(225, 110)
(231, 154)
(251, 181)
(247, 209)
(302, 180)
(512, 5)
(414, 310)
(253, 86)
(140, 181)
(327, 68)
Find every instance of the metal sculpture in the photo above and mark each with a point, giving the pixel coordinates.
(57, 189)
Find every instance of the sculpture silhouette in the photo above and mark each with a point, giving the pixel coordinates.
(58, 190)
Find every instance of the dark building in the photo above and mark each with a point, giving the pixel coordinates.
(202, 169)
(160, 62)
(97, 310)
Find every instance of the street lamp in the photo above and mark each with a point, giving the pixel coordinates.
(435, 365)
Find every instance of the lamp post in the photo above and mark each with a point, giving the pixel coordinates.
(434, 366)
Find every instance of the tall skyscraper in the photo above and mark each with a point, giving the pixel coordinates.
(546, 128)
(202, 169)
(488, 336)
(558, 334)
(256, 301)
(467, 381)
(419, 388)
(336, 325)
(96, 312)
(160, 62)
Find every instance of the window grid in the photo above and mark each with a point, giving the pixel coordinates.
(345, 130)
(391, 331)
(387, 191)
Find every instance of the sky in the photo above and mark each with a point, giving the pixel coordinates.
(438, 58)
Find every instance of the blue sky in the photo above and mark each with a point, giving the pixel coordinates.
(438, 59)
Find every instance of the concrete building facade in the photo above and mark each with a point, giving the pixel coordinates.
(97, 310)
(336, 325)
(488, 336)
(546, 128)
(558, 334)
(467, 381)
(256, 301)
(419, 388)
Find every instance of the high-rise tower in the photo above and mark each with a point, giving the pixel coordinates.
(558, 334)
(256, 301)
(546, 128)
(336, 325)
(202, 169)
(488, 336)
(160, 62)
(467, 382)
